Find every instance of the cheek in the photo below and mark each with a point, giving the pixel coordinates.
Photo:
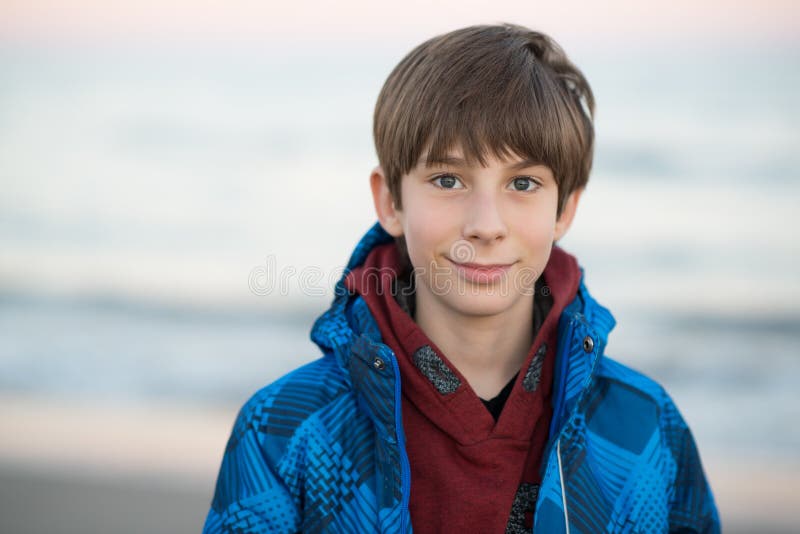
(427, 229)
(422, 233)
(537, 230)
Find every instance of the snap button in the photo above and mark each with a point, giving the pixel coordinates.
(588, 344)
(378, 364)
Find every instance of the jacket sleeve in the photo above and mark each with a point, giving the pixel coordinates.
(692, 507)
(250, 496)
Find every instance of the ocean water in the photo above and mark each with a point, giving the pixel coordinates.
(141, 191)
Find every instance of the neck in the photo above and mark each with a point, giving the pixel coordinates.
(488, 350)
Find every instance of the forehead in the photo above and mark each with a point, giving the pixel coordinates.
(455, 158)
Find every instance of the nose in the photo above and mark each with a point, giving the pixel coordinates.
(485, 220)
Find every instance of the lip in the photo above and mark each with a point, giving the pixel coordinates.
(482, 273)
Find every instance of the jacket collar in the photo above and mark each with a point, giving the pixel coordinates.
(347, 330)
(583, 331)
(332, 331)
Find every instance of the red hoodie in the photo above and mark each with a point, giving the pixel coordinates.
(468, 472)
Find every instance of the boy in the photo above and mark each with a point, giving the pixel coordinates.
(464, 386)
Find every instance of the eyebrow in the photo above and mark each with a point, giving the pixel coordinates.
(461, 162)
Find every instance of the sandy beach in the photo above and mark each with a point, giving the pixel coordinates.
(33, 502)
(81, 468)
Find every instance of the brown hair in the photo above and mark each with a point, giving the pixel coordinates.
(502, 88)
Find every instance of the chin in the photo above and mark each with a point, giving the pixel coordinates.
(482, 300)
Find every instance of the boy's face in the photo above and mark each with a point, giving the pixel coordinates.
(458, 219)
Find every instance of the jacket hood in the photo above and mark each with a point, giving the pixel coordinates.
(332, 332)
(584, 327)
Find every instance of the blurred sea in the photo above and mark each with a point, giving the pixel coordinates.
(140, 190)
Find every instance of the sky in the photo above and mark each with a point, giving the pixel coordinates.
(254, 23)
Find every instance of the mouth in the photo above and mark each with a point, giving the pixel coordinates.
(482, 272)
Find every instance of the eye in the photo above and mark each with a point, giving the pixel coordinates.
(447, 181)
(525, 184)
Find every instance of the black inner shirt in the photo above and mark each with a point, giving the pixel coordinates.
(495, 405)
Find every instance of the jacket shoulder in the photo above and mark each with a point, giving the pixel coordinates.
(638, 415)
(637, 401)
(276, 411)
(625, 407)
(637, 382)
(259, 485)
(619, 376)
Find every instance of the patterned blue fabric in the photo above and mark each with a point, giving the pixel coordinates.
(322, 449)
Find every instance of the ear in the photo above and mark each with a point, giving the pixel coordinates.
(388, 215)
(568, 214)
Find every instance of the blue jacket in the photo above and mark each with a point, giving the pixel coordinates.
(322, 449)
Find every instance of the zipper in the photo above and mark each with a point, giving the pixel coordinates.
(563, 489)
(560, 386)
(556, 430)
